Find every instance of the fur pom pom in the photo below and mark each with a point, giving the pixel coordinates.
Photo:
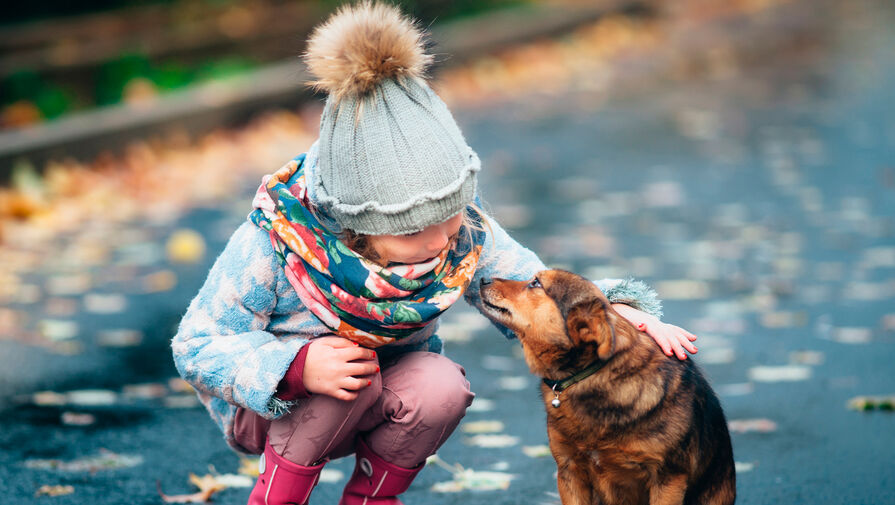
(361, 45)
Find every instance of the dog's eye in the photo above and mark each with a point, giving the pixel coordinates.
(534, 284)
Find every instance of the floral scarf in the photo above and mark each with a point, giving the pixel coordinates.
(354, 297)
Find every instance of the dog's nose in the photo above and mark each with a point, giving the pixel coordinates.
(485, 281)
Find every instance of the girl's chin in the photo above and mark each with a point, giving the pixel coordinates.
(411, 261)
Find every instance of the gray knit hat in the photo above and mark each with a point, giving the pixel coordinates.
(390, 159)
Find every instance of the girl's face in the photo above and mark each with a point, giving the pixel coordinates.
(417, 247)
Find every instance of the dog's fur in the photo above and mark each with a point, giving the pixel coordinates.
(643, 429)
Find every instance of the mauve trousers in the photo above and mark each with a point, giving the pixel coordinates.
(412, 406)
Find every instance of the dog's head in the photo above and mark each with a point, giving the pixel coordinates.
(563, 320)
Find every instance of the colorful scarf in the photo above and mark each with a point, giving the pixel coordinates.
(354, 297)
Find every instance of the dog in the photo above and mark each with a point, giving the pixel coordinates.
(627, 424)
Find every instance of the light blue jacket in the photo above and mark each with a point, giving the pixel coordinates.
(244, 328)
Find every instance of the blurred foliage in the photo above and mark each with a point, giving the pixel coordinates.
(438, 10)
(33, 97)
(35, 11)
(30, 96)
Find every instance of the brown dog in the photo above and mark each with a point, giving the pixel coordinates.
(626, 423)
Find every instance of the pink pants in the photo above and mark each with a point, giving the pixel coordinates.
(408, 411)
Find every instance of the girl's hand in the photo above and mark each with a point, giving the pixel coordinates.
(338, 367)
(671, 338)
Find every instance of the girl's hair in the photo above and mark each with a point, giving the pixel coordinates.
(473, 219)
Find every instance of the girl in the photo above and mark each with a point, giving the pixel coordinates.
(314, 335)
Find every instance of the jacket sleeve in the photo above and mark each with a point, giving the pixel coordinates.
(503, 257)
(222, 346)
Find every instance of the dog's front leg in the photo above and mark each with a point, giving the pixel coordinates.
(571, 479)
(670, 491)
(573, 486)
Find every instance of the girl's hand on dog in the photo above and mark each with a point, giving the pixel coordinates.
(672, 339)
(338, 367)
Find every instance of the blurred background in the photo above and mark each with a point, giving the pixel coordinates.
(739, 156)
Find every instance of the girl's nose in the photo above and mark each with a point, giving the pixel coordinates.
(438, 242)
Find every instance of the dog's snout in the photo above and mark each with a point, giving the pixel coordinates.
(485, 281)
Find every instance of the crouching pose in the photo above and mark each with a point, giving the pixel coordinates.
(314, 335)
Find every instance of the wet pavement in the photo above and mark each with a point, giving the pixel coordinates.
(757, 198)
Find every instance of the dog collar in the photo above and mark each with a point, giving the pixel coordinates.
(559, 386)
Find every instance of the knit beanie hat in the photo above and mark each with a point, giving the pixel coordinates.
(390, 159)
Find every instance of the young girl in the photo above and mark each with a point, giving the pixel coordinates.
(314, 336)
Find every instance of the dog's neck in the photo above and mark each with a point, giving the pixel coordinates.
(558, 386)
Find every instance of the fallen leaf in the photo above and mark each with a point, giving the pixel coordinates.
(105, 460)
(47, 490)
(491, 441)
(885, 403)
(185, 246)
(163, 280)
(683, 289)
(481, 405)
(760, 425)
(56, 330)
(102, 303)
(147, 391)
(742, 467)
(716, 356)
(331, 476)
(207, 487)
(786, 373)
(119, 337)
(812, 358)
(61, 285)
(536, 451)
(48, 399)
(248, 466)
(852, 335)
(475, 481)
(450, 332)
(500, 466)
(784, 319)
(179, 385)
(181, 401)
(482, 427)
(91, 397)
(234, 480)
(60, 307)
(77, 419)
(513, 383)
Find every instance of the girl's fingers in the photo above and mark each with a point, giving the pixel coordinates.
(358, 369)
(354, 384)
(341, 394)
(679, 351)
(664, 344)
(689, 336)
(358, 353)
(688, 345)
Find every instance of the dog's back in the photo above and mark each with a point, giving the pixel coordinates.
(716, 481)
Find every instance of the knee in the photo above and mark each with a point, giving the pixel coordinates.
(440, 390)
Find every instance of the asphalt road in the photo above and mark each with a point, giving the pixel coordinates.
(759, 200)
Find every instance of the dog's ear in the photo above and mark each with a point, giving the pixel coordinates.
(592, 321)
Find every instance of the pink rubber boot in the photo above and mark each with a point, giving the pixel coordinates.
(376, 481)
(283, 482)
